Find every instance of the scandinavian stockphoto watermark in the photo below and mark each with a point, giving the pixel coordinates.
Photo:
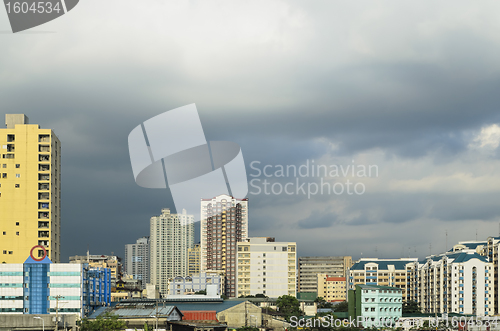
(26, 14)
(310, 178)
(171, 151)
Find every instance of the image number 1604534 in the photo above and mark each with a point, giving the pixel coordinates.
(34, 7)
(27, 14)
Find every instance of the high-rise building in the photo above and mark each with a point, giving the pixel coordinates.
(311, 266)
(30, 191)
(266, 267)
(170, 238)
(455, 282)
(194, 260)
(137, 260)
(332, 289)
(224, 222)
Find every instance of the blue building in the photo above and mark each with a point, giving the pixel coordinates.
(39, 286)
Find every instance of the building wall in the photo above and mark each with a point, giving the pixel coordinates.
(195, 283)
(311, 266)
(266, 268)
(137, 260)
(30, 191)
(376, 304)
(332, 289)
(456, 283)
(194, 260)
(43, 288)
(243, 314)
(171, 235)
(383, 272)
(224, 222)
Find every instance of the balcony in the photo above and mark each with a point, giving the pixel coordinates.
(43, 167)
(43, 187)
(11, 138)
(10, 148)
(44, 157)
(43, 215)
(44, 148)
(43, 225)
(43, 234)
(44, 138)
(43, 205)
(44, 177)
(43, 196)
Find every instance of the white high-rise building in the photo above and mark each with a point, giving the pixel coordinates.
(137, 260)
(267, 267)
(456, 282)
(224, 223)
(171, 235)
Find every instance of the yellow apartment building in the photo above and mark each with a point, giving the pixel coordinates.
(332, 289)
(30, 191)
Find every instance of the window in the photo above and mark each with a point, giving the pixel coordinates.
(18, 175)
(17, 223)
(10, 252)
(4, 175)
(17, 233)
(18, 185)
(4, 233)
(284, 249)
(18, 166)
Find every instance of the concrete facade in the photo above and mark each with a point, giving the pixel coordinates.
(377, 305)
(332, 289)
(43, 287)
(171, 235)
(136, 262)
(266, 267)
(224, 222)
(311, 266)
(30, 191)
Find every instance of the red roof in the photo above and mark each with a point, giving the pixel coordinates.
(335, 279)
(199, 315)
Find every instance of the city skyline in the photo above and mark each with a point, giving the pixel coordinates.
(411, 90)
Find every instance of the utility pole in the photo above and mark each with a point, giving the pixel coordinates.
(156, 314)
(57, 311)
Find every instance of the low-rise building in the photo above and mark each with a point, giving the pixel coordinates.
(376, 305)
(39, 286)
(332, 289)
(383, 272)
(192, 284)
(113, 263)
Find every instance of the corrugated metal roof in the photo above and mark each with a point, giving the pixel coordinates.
(139, 311)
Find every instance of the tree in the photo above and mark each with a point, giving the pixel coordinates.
(411, 307)
(260, 295)
(204, 292)
(322, 303)
(108, 322)
(341, 307)
(288, 306)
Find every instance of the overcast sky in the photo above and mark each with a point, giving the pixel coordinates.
(410, 87)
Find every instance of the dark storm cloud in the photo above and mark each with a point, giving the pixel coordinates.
(288, 81)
